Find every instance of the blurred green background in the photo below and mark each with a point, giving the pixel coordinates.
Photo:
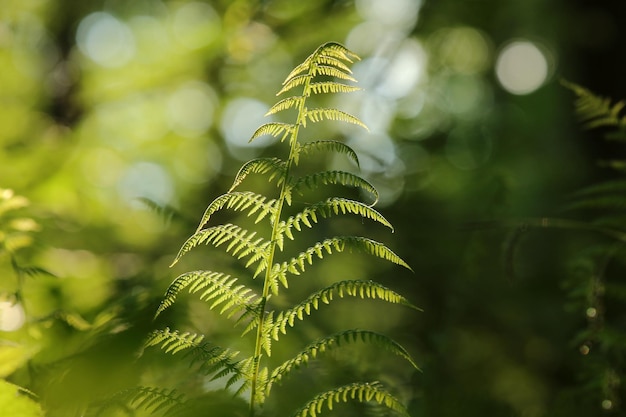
(104, 103)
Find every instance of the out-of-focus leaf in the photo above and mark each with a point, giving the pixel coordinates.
(15, 402)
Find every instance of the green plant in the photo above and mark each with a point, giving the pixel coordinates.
(594, 290)
(264, 251)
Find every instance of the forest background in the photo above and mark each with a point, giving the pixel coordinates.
(473, 140)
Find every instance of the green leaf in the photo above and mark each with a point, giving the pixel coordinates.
(340, 244)
(318, 115)
(330, 207)
(333, 341)
(596, 111)
(326, 87)
(215, 286)
(334, 177)
(364, 289)
(275, 129)
(17, 401)
(275, 166)
(359, 391)
(153, 400)
(330, 71)
(329, 146)
(242, 243)
(239, 201)
(287, 103)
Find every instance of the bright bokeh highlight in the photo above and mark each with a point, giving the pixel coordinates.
(521, 67)
(105, 40)
(12, 316)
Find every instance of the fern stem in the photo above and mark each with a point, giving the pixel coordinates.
(293, 142)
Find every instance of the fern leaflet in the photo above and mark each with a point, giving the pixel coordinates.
(212, 284)
(334, 177)
(359, 391)
(331, 87)
(294, 82)
(325, 209)
(318, 115)
(242, 243)
(239, 201)
(353, 288)
(213, 359)
(595, 111)
(338, 244)
(330, 145)
(333, 341)
(153, 400)
(331, 71)
(287, 103)
(275, 166)
(173, 342)
(275, 129)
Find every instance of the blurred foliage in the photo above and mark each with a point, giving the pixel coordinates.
(105, 104)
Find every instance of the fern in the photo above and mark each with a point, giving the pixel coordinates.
(215, 286)
(331, 146)
(153, 400)
(353, 288)
(261, 252)
(360, 391)
(335, 340)
(595, 111)
(260, 166)
(333, 177)
(590, 286)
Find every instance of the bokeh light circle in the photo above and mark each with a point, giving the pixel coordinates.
(12, 316)
(521, 67)
(106, 40)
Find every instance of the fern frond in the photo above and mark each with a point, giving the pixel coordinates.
(30, 271)
(275, 129)
(299, 69)
(359, 391)
(321, 59)
(607, 187)
(213, 285)
(325, 60)
(173, 342)
(240, 201)
(325, 209)
(287, 103)
(333, 341)
(246, 368)
(297, 264)
(326, 87)
(331, 71)
(607, 201)
(335, 177)
(332, 61)
(318, 115)
(275, 166)
(596, 111)
(219, 362)
(330, 146)
(213, 359)
(165, 211)
(352, 288)
(337, 50)
(153, 400)
(293, 82)
(242, 243)
(616, 164)
(266, 333)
